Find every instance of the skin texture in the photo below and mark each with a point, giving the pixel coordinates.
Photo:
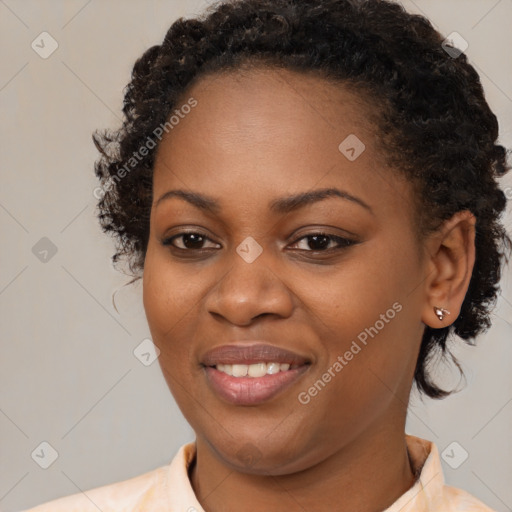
(252, 138)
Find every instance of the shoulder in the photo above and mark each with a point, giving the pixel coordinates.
(132, 495)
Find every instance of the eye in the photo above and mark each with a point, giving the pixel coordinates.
(322, 242)
(189, 241)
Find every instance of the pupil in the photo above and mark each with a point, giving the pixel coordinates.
(321, 242)
(192, 241)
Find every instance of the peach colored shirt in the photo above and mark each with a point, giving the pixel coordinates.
(168, 489)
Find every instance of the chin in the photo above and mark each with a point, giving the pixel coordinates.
(260, 456)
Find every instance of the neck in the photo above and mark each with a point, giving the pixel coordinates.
(366, 475)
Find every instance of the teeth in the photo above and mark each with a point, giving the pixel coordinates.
(273, 368)
(253, 370)
(226, 368)
(257, 370)
(240, 370)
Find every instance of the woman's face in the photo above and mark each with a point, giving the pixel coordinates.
(333, 278)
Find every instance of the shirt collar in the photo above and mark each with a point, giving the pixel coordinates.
(419, 498)
(429, 483)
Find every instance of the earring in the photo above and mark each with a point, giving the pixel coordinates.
(440, 312)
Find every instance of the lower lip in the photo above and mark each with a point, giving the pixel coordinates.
(251, 390)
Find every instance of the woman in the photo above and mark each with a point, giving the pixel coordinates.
(308, 190)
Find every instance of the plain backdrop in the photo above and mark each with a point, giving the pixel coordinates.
(68, 373)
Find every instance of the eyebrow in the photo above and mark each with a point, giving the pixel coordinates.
(281, 205)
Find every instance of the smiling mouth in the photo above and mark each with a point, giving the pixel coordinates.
(250, 374)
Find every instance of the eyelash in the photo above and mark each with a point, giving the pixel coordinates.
(343, 243)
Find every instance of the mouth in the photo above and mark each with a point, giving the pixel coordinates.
(252, 374)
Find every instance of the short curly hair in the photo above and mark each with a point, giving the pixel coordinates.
(434, 122)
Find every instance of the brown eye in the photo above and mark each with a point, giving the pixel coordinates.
(320, 242)
(188, 241)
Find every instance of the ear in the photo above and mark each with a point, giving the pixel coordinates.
(450, 259)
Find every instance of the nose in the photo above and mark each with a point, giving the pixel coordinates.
(249, 290)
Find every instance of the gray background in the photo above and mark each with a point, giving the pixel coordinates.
(68, 373)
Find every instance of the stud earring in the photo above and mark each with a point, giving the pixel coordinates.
(440, 312)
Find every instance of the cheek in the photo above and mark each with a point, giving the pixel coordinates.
(169, 291)
(169, 298)
(352, 295)
(366, 314)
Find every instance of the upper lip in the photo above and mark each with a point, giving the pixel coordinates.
(251, 354)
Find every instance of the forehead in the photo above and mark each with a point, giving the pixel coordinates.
(268, 109)
(277, 95)
(274, 130)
